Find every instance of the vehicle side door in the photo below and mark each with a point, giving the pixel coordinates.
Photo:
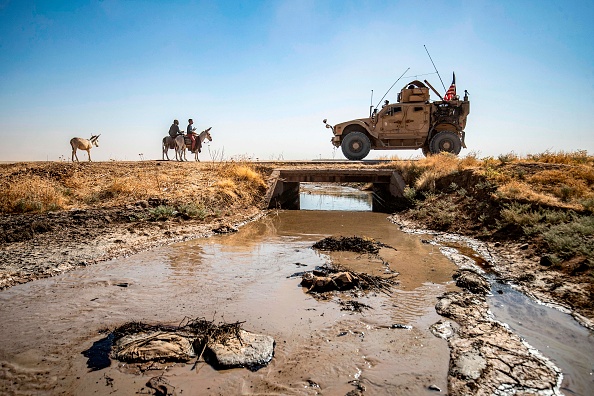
(391, 120)
(416, 118)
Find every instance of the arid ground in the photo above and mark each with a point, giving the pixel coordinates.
(534, 212)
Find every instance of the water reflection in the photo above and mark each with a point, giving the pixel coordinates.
(556, 334)
(329, 196)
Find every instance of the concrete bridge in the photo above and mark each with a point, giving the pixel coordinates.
(284, 188)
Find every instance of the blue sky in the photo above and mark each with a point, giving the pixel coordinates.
(263, 74)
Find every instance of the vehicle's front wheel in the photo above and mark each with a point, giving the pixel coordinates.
(355, 146)
(445, 141)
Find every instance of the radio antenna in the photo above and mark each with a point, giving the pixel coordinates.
(442, 84)
(391, 87)
(371, 103)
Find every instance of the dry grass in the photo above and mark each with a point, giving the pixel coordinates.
(562, 179)
(238, 182)
(520, 191)
(546, 198)
(578, 157)
(423, 173)
(33, 194)
(38, 187)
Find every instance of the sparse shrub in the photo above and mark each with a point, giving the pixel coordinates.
(557, 216)
(410, 194)
(519, 214)
(509, 157)
(429, 195)
(588, 204)
(567, 240)
(162, 212)
(520, 174)
(566, 192)
(27, 205)
(92, 198)
(486, 185)
(192, 210)
(443, 214)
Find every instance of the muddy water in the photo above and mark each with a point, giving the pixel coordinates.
(247, 276)
(556, 334)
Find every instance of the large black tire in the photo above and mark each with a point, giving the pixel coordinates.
(445, 141)
(355, 146)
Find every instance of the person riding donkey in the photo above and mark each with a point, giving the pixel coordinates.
(174, 129)
(196, 143)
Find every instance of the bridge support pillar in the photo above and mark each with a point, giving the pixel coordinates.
(282, 194)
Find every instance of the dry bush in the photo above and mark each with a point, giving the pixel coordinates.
(471, 160)
(522, 191)
(578, 157)
(423, 173)
(227, 188)
(507, 158)
(238, 183)
(567, 186)
(246, 173)
(435, 167)
(31, 193)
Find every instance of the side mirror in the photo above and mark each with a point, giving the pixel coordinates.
(324, 120)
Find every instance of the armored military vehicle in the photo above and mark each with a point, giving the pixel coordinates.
(413, 122)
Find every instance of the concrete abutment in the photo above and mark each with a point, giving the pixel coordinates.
(283, 192)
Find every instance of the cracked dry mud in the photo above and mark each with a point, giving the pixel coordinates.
(486, 358)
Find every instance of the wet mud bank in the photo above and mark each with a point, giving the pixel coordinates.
(45, 245)
(505, 339)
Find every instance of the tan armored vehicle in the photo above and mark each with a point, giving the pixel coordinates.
(414, 122)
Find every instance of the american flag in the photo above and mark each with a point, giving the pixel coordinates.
(451, 90)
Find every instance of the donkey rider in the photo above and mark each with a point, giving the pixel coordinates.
(196, 143)
(174, 129)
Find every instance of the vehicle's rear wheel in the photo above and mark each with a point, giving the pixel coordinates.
(355, 146)
(445, 141)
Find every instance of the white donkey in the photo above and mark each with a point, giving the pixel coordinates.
(83, 144)
(181, 143)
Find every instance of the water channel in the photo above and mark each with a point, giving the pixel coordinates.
(250, 276)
